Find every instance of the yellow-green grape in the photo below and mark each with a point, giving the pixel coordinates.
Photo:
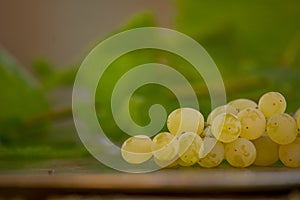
(207, 132)
(282, 128)
(164, 146)
(226, 128)
(266, 151)
(215, 154)
(253, 123)
(240, 153)
(220, 110)
(184, 164)
(166, 164)
(241, 104)
(289, 154)
(137, 149)
(207, 145)
(297, 113)
(185, 120)
(272, 103)
(298, 122)
(189, 146)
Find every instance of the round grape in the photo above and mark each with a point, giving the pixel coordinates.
(226, 128)
(185, 120)
(298, 122)
(240, 153)
(297, 113)
(220, 110)
(189, 146)
(266, 151)
(253, 123)
(137, 149)
(164, 146)
(241, 104)
(282, 128)
(166, 164)
(272, 103)
(211, 153)
(289, 154)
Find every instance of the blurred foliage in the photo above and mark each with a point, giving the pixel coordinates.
(255, 44)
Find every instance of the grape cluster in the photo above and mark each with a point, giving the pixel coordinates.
(242, 132)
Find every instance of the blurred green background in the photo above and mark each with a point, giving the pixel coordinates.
(255, 44)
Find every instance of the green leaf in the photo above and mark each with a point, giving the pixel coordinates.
(20, 99)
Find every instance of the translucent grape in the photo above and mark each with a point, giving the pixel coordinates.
(226, 128)
(240, 153)
(282, 128)
(211, 153)
(272, 103)
(137, 149)
(289, 154)
(266, 151)
(166, 164)
(241, 104)
(207, 146)
(184, 164)
(164, 146)
(185, 120)
(207, 132)
(220, 110)
(253, 123)
(297, 113)
(298, 122)
(189, 146)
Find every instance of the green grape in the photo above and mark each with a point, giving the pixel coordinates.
(253, 123)
(211, 153)
(189, 147)
(207, 132)
(241, 104)
(207, 145)
(289, 154)
(184, 164)
(137, 149)
(266, 151)
(282, 128)
(298, 122)
(226, 128)
(297, 113)
(220, 110)
(166, 164)
(240, 153)
(272, 103)
(185, 120)
(164, 146)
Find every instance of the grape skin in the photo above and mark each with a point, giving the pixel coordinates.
(253, 123)
(185, 120)
(289, 154)
(272, 103)
(214, 156)
(220, 110)
(242, 104)
(166, 164)
(137, 149)
(298, 122)
(164, 146)
(240, 153)
(282, 128)
(266, 151)
(226, 128)
(189, 146)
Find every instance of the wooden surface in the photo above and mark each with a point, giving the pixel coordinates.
(193, 182)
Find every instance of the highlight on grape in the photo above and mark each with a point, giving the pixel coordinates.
(243, 133)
